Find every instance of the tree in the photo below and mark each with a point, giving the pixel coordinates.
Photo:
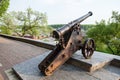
(3, 6)
(32, 23)
(107, 35)
(7, 24)
(115, 24)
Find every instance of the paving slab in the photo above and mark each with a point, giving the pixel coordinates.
(11, 74)
(104, 74)
(113, 69)
(97, 61)
(28, 70)
(13, 52)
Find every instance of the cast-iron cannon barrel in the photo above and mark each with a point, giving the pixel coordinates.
(61, 31)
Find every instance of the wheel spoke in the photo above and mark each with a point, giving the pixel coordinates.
(88, 48)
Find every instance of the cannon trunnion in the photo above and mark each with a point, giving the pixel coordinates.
(70, 40)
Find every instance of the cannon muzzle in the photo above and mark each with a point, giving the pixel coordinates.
(61, 31)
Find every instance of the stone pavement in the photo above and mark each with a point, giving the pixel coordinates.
(13, 52)
(28, 70)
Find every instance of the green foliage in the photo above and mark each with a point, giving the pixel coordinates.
(3, 6)
(85, 27)
(6, 24)
(32, 23)
(107, 35)
(115, 45)
(115, 17)
(56, 26)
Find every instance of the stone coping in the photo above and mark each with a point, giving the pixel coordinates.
(31, 41)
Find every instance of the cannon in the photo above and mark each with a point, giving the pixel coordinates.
(70, 40)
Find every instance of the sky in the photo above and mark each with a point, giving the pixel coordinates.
(64, 11)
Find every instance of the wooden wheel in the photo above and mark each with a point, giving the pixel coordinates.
(88, 48)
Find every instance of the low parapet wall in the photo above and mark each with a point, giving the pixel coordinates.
(30, 41)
